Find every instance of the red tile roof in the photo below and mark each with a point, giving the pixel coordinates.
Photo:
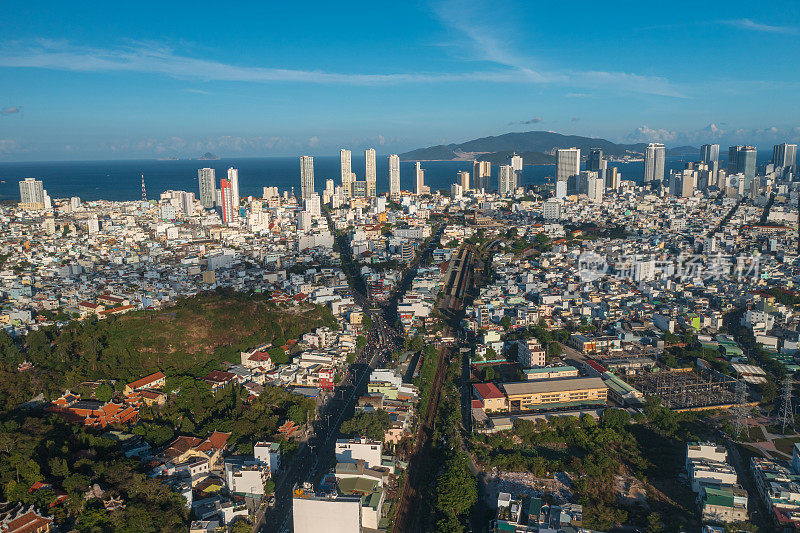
(488, 391)
(147, 380)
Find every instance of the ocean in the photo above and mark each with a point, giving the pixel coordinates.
(120, 180)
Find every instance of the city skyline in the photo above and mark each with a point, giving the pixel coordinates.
(138, 85)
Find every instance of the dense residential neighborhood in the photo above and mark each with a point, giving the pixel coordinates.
(584, 357)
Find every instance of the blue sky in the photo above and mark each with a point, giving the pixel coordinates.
(104, 80)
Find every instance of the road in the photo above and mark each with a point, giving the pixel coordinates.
(313, 456)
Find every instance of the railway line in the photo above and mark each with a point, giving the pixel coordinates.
(458, 278)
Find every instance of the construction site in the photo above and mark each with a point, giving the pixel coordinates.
(688, 389)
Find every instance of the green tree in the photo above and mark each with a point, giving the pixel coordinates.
(554, 349)
(104, 392)
(241, 526)
(367, 424)
(278, 355)
(456, 489)
(654, 523)
(769, 391)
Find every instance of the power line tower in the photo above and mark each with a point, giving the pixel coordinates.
(786, 403)
(741, 399)
(144, 192)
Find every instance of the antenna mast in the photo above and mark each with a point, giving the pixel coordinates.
(786, 403)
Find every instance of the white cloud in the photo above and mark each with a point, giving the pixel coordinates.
(748, 24)
(763, 137)
(646, 134)
(155, 58)
(473, 30)
(8, 146)
(158, 59)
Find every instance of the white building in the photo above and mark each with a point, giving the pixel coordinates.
(32, 194)
(654, 159)
(345, 162)
(269, 454)
(551, 210)
(335, 514)
(506, 180)
(516, 165)
(93, 225)
(370, 175)
(245, 477)
(351, 450)
(233, 177)
(419, 176)
(530, 353)
(312, 205)
(394, 176)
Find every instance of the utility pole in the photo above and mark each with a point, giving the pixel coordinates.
(786, 403)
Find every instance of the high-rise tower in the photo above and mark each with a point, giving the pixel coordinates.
(655, 156)
(347, 172)
(233, 177)
(709, 153)
(394, 176)
(306, 176)
(568, 163)
(228, 209)
(784, 157)
(370, 175)
(207, 187)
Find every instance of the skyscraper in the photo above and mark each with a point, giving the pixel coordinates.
(784, 157)
(394, 176)
(568, 163)
(709, 153)
(347, 172)
(228, 209)
(187, 203)
(654, 158)
(233, 177)
(31, 192)
(742, 160)
(506, 180)
(482, 174)
(370, 176)
(419, 175)
(516, 164)
(463, 180)
(306, 176)
(613, 178)
(208, 186)
(595, 157)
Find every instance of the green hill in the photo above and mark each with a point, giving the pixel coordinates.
(536, 144)
(192, 337)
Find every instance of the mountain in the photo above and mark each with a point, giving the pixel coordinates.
(683, 150)
(534, 146)
(529, 158)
